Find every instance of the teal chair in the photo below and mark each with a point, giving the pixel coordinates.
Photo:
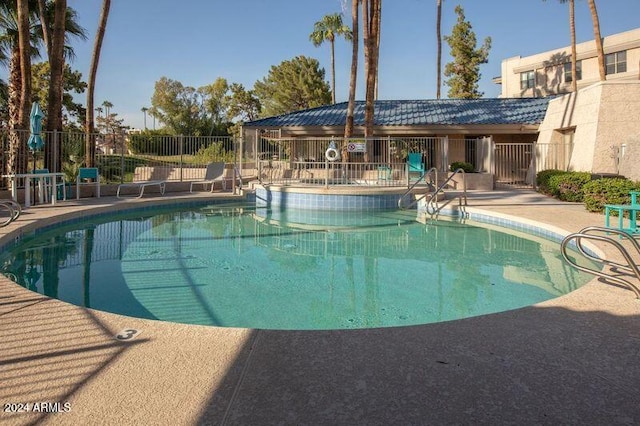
(415, 165)
(88, 176)
(49, 185)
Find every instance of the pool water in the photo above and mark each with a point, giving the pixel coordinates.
(242, 266)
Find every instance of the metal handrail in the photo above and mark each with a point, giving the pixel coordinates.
(422, 178)
(433, 201)
(13, 208)
(588, 234)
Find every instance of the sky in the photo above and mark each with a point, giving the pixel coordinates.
(197, 41)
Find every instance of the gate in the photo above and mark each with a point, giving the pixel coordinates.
(514, 165)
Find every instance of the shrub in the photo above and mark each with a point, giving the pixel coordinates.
(568, 186)
(467, 167)
(599, 192)
(542, 180)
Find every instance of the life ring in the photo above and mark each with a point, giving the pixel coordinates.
(332, 154)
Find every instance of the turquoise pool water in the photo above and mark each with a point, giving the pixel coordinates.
(242, 266)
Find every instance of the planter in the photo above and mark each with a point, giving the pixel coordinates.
(475, 181)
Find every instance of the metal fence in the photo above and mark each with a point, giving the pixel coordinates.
(120, 157)
(124, 157)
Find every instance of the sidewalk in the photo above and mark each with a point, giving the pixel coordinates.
(570, 360)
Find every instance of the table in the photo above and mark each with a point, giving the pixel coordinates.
(620, 209)
(41, 177)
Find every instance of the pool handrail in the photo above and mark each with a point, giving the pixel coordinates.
(588, 233)
(409, 190)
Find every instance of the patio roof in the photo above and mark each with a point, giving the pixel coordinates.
(456, 112)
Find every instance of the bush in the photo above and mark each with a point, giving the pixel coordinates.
(542, 181)
(599, 192)
(467, 167)
(568, 186)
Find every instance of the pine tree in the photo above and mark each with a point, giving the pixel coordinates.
(464, 71)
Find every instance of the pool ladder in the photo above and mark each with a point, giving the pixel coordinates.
(433, 208)
(599, 233)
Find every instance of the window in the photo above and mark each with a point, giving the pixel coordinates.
(567, 71)
(527, 80)
(615, 62)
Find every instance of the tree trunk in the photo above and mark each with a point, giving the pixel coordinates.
(24, 46)
(439, 52)
(16, 155)
(53, 149)
(333, 72)
(89, 143)
(598, 39)
(46, 36)
(572, 25)
(348, 129)
(371, 62)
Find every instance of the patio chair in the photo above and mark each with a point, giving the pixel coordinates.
(214, 173)
(415, 164)
(51, 187)
(88, 176)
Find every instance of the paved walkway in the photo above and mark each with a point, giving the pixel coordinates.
(571, 360)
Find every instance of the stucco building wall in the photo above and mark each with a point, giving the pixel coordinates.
(600, 119)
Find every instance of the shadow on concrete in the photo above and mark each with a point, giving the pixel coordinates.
(535, 365)
(48, 354)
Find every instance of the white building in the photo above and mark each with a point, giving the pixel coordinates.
(549, 73)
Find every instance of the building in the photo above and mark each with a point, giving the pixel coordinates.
(549, 73)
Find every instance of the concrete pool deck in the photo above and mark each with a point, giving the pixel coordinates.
(571, 360)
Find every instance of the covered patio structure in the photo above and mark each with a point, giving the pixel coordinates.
(475, 131)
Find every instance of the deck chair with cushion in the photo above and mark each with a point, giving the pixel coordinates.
(214, 173)
(88, 176)
(415, 165)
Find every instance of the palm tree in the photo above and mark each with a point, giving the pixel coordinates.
(572, 29)
(327, 29)
(598, 39)
(439, 54)
(371, 16)
(24, 45)
(144, 111)
(348, 128)
(89, 145)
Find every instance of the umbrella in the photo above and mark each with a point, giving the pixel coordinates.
(35, 141)
(35, 126)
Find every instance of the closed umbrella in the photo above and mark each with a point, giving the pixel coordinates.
(35, 142)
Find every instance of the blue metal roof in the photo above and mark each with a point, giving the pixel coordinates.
(419, 113)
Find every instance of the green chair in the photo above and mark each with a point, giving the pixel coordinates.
(88, 176)
(415, 165)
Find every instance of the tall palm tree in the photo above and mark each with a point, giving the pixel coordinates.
(348, 128)
(572, 30)
(439, 53)
(24, 45)
(371, 16)
(89, 144)
(52, 152)
(327, 29)
(598, 39)
(10, 50)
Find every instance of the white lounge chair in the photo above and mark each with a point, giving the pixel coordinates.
(214, 173)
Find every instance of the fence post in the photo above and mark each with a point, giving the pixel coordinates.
(181, 145)
(122, 161)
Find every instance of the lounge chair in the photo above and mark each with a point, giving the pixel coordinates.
(214, 173)
(88, 176)
(140, 186)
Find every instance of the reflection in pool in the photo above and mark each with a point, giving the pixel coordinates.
(245, 267)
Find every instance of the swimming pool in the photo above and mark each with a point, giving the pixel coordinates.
(243, 266)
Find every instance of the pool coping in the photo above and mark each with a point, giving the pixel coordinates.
(567, 360)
